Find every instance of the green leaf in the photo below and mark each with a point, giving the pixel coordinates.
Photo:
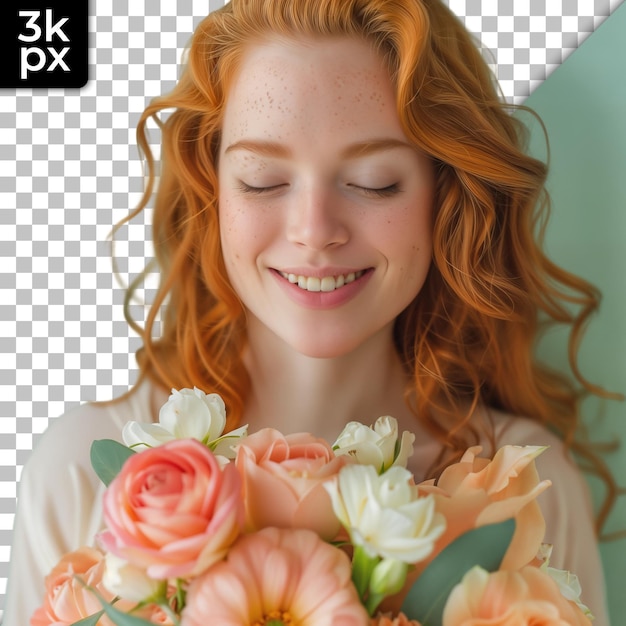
(92, 620)
(484, 546)
(124, 619)
(116, 616)
(108, 457)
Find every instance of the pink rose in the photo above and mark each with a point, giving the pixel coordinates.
(510, 598)
(66, 599)
(172, 510)
(283, 478)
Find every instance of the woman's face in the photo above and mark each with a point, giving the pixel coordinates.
(325, 209)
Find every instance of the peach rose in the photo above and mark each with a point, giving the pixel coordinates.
(510, 598)
(66, 599)
(172, 510)
(477, 491)
(284, 478)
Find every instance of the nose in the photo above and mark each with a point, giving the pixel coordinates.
(316, 219)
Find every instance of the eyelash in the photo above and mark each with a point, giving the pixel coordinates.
(383, 192)
(245, 188)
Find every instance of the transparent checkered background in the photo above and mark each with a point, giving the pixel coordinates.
(69, 170)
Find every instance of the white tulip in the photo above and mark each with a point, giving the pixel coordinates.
(377, 445)
(188, 413)
(384, 513)
(139, 436)
(128, 581)
(193, 413)
(222, 447)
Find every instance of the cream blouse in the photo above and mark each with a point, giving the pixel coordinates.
(59, 499)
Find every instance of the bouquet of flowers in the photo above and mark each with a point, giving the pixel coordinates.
(266, 529)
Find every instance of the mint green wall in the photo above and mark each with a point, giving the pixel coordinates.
(583, 104)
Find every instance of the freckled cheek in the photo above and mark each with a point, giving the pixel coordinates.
(405, 239)
(232, 232)
(406, 228)
(245, 232)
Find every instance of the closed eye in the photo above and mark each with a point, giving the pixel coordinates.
(380, 192)
(245, 188)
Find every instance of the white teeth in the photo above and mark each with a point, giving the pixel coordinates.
(313, 284)
(327, 283)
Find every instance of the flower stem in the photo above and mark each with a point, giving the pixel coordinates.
(372, 602)
(179, 599)
(362, 567)
(167, 609)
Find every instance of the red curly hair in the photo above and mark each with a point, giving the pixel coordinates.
(469, 337)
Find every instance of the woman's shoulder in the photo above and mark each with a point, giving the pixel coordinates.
(555, 463)
(520, 430)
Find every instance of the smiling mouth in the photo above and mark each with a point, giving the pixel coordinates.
(326, 283)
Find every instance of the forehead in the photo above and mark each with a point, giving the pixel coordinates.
(319, 55)
(323, 80)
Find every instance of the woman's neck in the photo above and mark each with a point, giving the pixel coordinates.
(295, 393)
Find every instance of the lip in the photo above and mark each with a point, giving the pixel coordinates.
(322, 299)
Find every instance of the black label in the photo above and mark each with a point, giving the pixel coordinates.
(43, 43)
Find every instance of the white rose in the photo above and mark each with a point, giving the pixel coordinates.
(384, 513)
(188, 414)
(377, 445)
(128, 581)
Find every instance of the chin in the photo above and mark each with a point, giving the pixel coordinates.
(325, 348)
(317, 353)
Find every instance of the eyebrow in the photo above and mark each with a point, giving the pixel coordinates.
(355, 150)
(263, 148)
(364, 148)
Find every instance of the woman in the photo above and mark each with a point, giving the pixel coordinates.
(344, 226)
